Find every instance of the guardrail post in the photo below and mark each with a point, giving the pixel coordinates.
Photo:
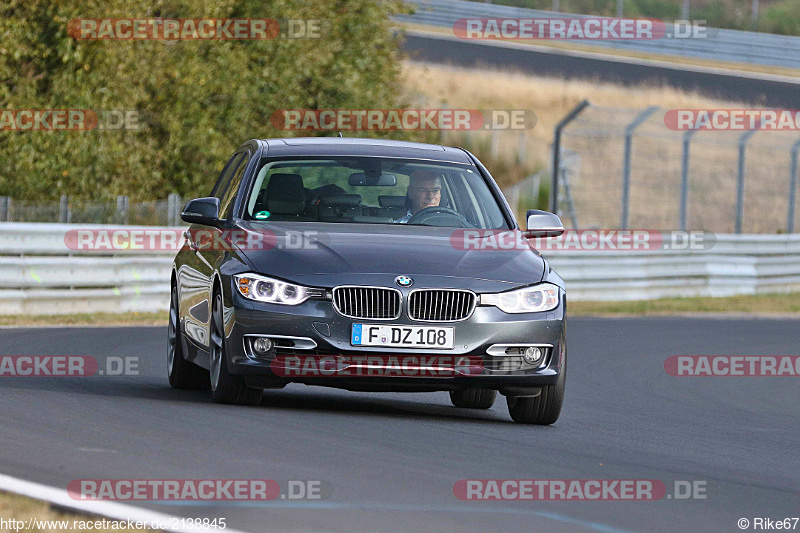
(557, 149)
(5, 209)
(63, 209)
(687, 140)
(740, 179)
(792, 188)
(174, 209)
(626, 169)
(122, 209)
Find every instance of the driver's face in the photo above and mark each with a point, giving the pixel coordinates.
(425, 193)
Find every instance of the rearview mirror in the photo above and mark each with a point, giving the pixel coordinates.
(543, 224)
(203, 211)
(361, 179)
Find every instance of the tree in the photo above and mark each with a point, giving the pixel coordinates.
(197, 99)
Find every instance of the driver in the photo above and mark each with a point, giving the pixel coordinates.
(424, 190)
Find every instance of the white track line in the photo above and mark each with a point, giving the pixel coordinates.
(112, 510)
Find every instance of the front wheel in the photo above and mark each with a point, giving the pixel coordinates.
(473, 398)
(182, 374)
(225, 387)
(545, 408)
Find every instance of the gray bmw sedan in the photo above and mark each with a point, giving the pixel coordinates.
(367, 265)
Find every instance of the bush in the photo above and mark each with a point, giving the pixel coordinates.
(198, 100)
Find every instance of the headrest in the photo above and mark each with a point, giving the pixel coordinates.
(341, 199)
(286, 194)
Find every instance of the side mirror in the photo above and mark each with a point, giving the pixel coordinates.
(543, 224)
(204, 211)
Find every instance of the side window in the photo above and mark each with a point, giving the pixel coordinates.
(226, 203)
(225, 177)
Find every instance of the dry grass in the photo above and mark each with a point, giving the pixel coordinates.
(760, 305)
(597, 136)
(88, 319)
(763, 305)
(21, 508)
(549, 98)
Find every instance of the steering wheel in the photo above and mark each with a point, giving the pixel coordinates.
(439, 216)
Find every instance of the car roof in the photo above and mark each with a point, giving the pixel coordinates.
(363, 147)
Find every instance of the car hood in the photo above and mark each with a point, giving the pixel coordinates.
(326, 255)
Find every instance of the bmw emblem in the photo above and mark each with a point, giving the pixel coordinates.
(404, 281)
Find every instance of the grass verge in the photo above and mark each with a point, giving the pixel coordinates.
(88, 319)
(24, 509)
(758, 305)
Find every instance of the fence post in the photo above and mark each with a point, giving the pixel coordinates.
(5, 209)
(495, 143)
(740, 179)
(173, 209)
(63, 209)
(122, 209)
(557, 150)
(521, 148)
(626, 171)
(687, 140)
(792, 188)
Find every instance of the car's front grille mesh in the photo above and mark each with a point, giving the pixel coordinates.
(440, 306)
(367, 302)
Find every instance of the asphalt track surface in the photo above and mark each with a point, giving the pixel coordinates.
(392, 459)
(555, 63)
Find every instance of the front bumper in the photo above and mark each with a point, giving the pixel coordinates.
(319, 322)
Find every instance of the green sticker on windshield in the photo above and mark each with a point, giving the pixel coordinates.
(262, 215)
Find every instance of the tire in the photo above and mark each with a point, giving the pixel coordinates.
(182, 374)
(226, 388)
(545, 408)
(473, 398)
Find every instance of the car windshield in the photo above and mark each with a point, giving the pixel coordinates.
(372, 190)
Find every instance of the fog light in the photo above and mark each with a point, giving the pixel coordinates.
(262, 345)
(532, 355)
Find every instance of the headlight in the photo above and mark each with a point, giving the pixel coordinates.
(542, 297)
(264, 289)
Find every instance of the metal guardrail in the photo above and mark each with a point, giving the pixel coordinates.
(738, 264)
(40, 275)
(722, 45)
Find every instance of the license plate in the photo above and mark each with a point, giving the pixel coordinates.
(402, 336)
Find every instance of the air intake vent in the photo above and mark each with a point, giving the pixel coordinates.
(367, 302)
(440, 305)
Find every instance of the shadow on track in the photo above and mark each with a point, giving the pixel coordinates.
(307, 398)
